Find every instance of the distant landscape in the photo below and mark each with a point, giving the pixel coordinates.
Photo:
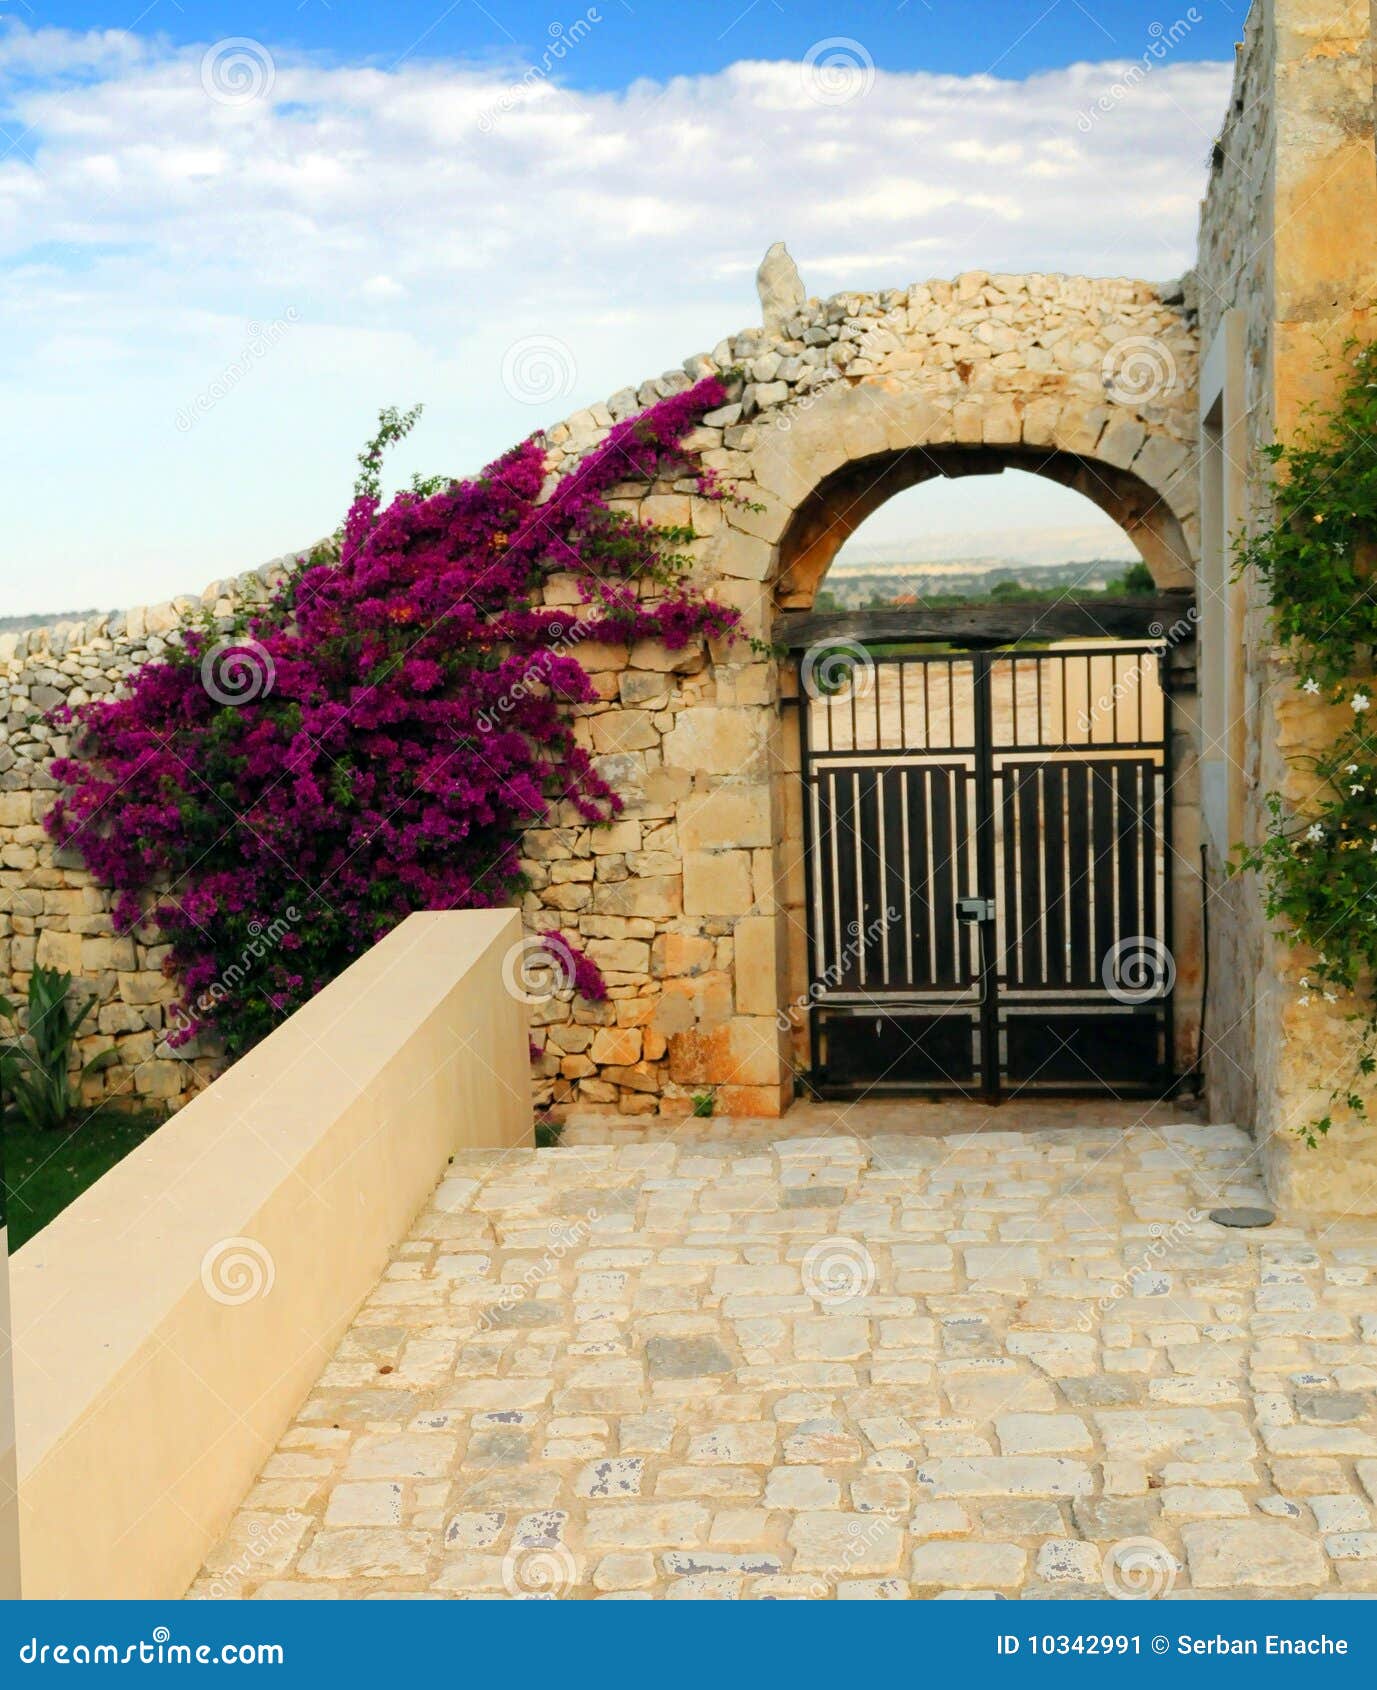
(43, 619)
(882, 586)
(867, 585)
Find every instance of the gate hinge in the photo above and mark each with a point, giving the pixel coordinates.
(975, 909)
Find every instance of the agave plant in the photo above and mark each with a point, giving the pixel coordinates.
(37, 1070)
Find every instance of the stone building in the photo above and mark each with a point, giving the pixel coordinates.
(1153, 401)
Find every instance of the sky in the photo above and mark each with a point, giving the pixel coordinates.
(230, 233)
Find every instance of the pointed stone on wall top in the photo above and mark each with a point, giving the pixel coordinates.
(780, 287)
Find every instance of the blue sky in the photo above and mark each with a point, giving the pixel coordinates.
(1011, 38)
(229, 234)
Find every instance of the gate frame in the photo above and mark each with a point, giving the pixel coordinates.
(981, 633)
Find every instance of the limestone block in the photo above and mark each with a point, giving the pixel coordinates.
(1000, 422)
(595, 657)
(744, 556)
(617, 837)
(725, 818)
(717, 741)
(699, 1000)
(57, 949)
(650, 654)
(621, 1045)
(673, 954)
(624, 730)
(747, 1051)
(756, 967)
(660, 897)
(620, 956)
(766, 515)
(1040, 419)
(1121, 441)
(717, 883)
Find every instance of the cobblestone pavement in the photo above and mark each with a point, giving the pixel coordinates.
(853, 1353)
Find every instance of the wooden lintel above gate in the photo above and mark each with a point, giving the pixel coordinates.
(1169, 616)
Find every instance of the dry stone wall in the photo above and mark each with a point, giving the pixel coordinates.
(692, 901)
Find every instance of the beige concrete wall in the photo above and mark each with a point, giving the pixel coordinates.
(169, 1323)
(9, 1496)
(1289, 241)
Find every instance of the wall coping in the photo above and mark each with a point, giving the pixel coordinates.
(148, 1390)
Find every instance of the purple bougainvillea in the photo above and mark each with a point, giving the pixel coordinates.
(377, 739)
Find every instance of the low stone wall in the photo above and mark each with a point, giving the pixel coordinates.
(169, 1323)
(692, 901)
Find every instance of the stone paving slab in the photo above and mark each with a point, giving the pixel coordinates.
(852, 1354)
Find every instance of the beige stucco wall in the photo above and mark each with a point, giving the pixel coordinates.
(1288, 240)
(171, 1320)
(9, 1496)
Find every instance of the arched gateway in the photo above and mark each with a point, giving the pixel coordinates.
(700, 904)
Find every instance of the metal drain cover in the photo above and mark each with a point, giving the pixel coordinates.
(1242, 1217)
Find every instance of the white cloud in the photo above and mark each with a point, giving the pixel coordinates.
(418, 228)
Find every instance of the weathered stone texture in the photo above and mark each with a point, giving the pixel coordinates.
(697, 1413)
(1288, 239)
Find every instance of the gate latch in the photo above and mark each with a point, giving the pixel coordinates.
(975, 909)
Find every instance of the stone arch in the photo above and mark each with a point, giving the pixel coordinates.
(842, 501)
(685, 902)
(822, 470)
(833, 407)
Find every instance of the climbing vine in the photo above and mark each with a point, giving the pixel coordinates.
(377, 737)
(1319, 863)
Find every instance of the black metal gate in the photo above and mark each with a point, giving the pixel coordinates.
(988, 891)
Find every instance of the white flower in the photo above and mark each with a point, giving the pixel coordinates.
(1356, 788)
(1305, 1003)
(1314, 833)
(1358, 703)
(1311, 686)
(1352, 769)
(1330, 998)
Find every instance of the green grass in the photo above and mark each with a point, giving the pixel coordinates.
(44, 1171)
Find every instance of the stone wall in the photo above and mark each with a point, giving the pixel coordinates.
(1288, 240)
(692, 902)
